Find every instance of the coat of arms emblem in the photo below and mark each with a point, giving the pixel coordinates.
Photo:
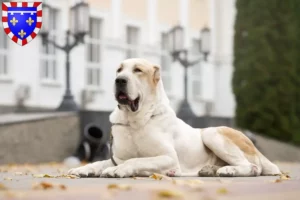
(22, 20)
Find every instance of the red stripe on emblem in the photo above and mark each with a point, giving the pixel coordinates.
(24, 42)
(39, 24)
(15, 39)
(4, 19)
(39, 13)
(36, 4)
(7, 31)
(24, 4)
(33, 34)
(13, 4)
(4, 7)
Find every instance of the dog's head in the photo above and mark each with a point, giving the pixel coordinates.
(136, 83)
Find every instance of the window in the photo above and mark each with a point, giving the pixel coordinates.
(3, 52)
(166, 63)
(132, 37)
(93, 50)
(49, 52)
(196, 69)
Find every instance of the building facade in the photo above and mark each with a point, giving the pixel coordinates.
(121, 29)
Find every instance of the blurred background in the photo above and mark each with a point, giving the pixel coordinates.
(232, 63)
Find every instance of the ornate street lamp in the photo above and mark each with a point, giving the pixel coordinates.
(79, 27)
(179, 53)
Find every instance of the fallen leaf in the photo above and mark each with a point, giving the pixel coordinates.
(2, 187)
(4, 170)
(169, 193)
(156, 176)
(42, 176)
(51, 176)
(119, 186)
(222, 191)
(67, 176)
(139, 178)
(8, 179)
(277, 181)
(18, 173)
(191, 183)
(43, 186)
(63, 187)
(14, 194)
(284, 176)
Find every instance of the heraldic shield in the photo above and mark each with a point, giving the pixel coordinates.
(22, 20)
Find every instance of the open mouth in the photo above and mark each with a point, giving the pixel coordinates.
(123, 98)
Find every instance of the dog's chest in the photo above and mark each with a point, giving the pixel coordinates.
(135, 143)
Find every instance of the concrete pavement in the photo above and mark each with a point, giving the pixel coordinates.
(29, 182)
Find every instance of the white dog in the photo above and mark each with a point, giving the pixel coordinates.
(148, 137)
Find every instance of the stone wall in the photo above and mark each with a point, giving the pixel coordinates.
(35, 138)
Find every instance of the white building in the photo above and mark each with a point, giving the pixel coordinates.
(121, 29)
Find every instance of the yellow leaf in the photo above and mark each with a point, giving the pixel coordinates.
(139, 178)
(284, 177)
(156, 176)
(67, 176)
(2, 187)
(195, 184)
(119, 186)
(277, 181)
(222, 191)
(169, 193)
(63, 187)
(43, 186)
(8, 179)
(51, 176)
(40, 176)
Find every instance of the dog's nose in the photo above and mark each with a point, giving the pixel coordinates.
(121, 81)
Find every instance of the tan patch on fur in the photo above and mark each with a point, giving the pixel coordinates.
(239, 139)
(156, 75)
(153, 77)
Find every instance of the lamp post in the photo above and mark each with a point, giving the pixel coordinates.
(179, 53)
(79, 27)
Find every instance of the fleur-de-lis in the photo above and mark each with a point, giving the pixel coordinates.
(14, 21)
(22, 33)
(29, 21)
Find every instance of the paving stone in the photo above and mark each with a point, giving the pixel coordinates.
(20, 186)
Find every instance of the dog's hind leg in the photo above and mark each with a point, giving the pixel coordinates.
(235, 149)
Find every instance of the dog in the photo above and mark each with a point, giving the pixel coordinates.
(148, 137)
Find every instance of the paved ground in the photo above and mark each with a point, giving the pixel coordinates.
(27, 182)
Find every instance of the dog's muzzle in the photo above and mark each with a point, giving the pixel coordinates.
(122, 94)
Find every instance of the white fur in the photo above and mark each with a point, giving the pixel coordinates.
(154, 140)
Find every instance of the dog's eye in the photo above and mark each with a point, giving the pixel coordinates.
(137, 70)
(119, 70)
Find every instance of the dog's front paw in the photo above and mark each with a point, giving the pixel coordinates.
(85, 171)
(120, 171)
(227, 171)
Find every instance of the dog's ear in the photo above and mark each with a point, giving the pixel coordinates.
(156, 75)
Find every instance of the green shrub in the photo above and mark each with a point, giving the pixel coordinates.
(266, 75)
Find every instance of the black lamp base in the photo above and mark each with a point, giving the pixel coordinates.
(185, 112)
(68, 104)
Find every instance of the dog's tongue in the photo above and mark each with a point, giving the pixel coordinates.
(122, 96)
